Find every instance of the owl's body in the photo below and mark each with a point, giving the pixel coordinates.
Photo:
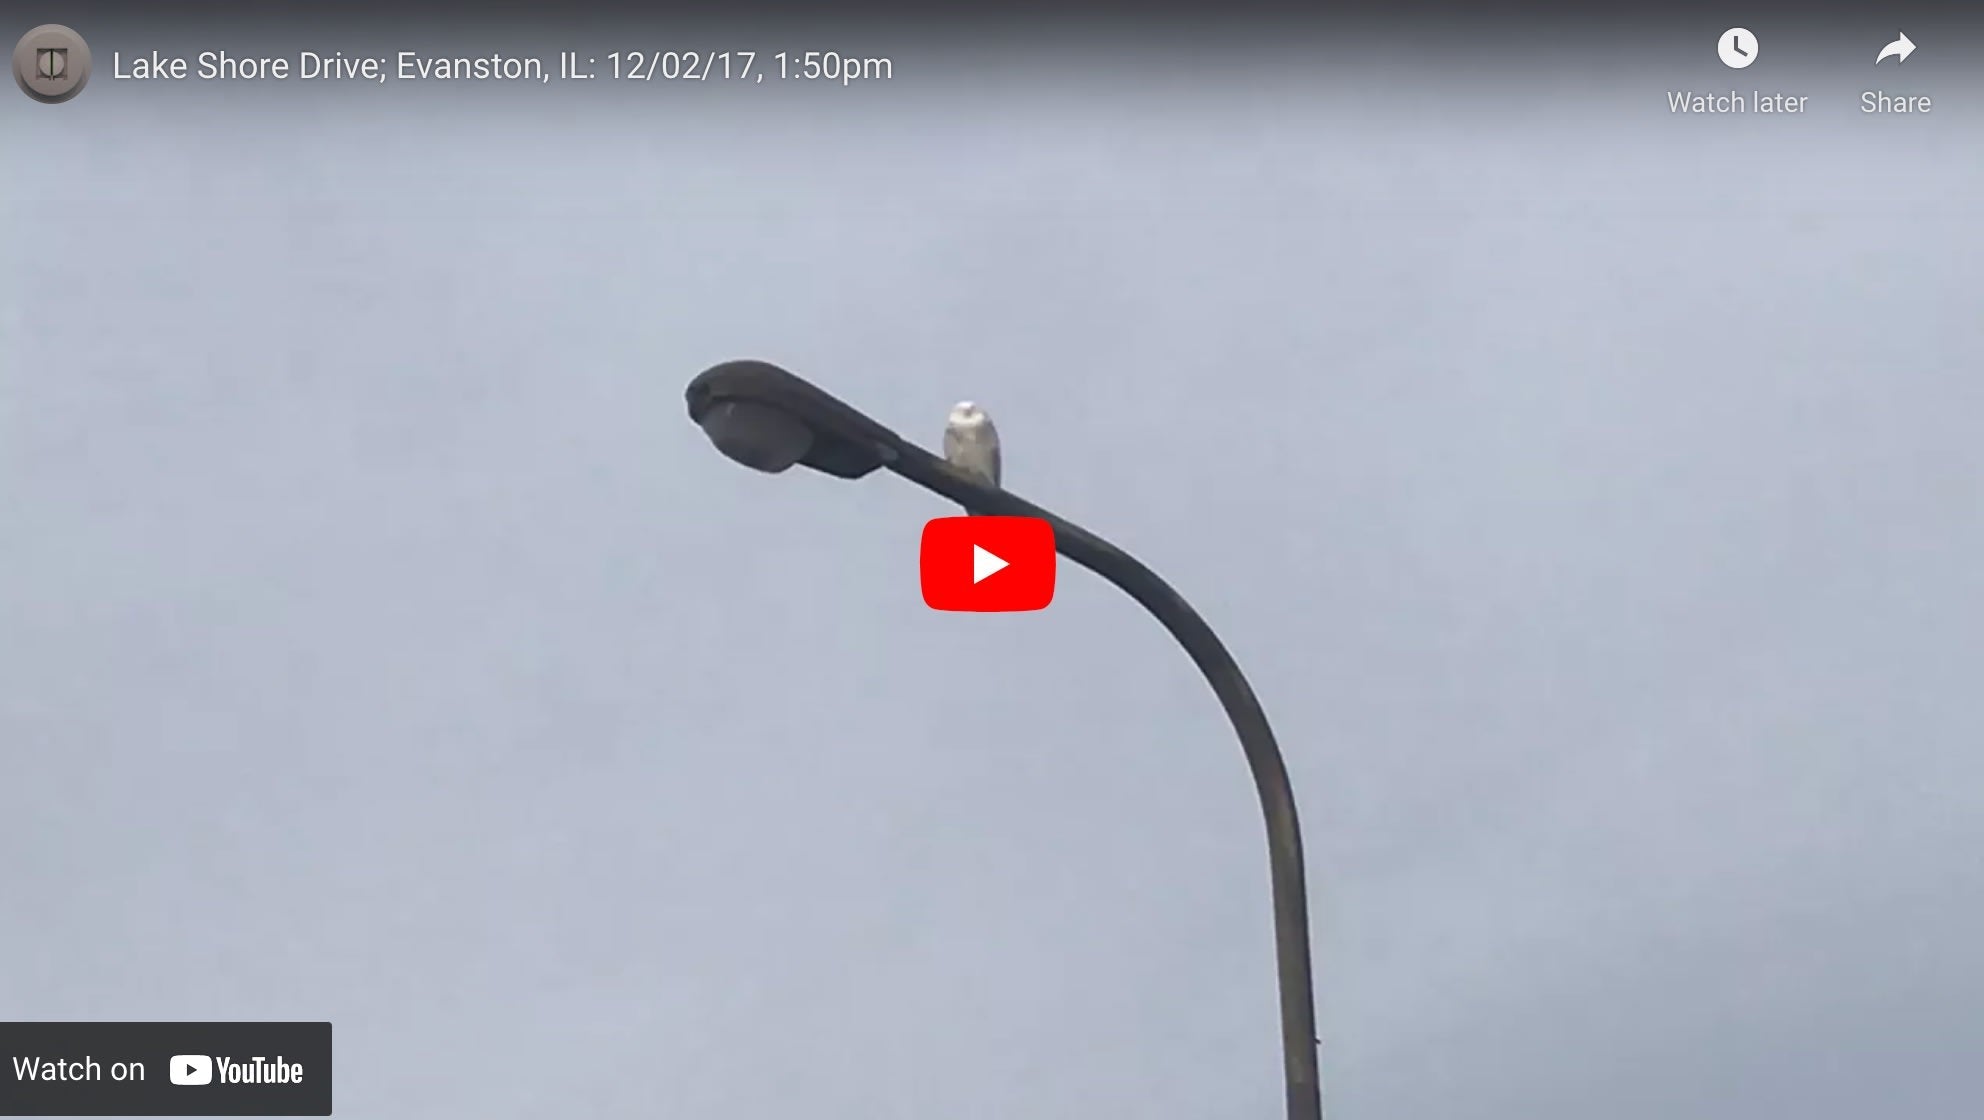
(972, 443)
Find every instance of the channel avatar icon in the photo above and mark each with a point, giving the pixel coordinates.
(988, 564)
(51, 63)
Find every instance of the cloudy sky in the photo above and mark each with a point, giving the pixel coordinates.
(1592, 495)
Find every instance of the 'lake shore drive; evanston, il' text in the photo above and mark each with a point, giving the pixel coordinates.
(310, 66)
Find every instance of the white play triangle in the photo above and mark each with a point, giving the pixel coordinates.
(983, 563)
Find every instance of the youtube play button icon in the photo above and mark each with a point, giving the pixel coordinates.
(988, 564)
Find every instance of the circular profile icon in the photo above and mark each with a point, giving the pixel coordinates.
(51, 63)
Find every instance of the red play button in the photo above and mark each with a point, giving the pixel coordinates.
(988, 563)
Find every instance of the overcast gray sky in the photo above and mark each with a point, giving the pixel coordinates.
(1592, 496)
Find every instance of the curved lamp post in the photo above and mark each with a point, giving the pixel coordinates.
(769, 419)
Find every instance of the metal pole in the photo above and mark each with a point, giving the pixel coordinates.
(1285, 866)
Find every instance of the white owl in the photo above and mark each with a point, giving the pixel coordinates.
(972, 443)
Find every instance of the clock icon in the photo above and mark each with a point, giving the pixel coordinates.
(1737, 47)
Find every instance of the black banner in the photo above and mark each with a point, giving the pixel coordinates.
(165, 1069)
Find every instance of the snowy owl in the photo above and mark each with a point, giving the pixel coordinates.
(972, 443)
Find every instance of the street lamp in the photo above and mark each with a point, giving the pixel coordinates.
(769, 420)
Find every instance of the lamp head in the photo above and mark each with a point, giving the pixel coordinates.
(769, 419)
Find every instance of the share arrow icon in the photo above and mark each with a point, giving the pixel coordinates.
(1899, 50)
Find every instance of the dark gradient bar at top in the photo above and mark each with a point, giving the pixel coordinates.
(1576, 44)
(1557, 50)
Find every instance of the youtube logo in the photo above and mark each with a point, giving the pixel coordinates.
(988, 564)
(191, 1069)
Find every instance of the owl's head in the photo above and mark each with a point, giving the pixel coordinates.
(967, 413)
